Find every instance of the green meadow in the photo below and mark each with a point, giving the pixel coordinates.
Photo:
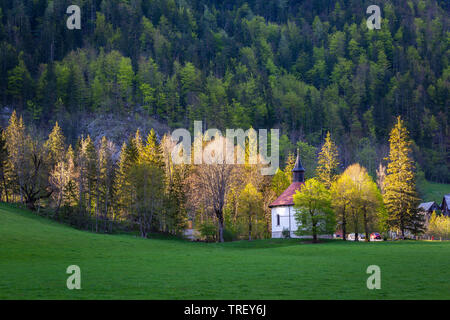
(35, 252)
(432, 191)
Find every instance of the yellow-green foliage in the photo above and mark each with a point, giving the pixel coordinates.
(400, 193)
(439, 226)
(313, 209)
(328, 162)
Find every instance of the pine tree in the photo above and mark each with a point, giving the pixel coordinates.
(400, 189)
(70, 188)
(106, 179)
(4, 165)
(55, 149)
(20, 82)
(151, 152)
(280, 182)
(328, 162)
(55, 145)
(88, 174)
(137, 140)
(175, 177)
(16, 145)
(128, 158)
(290, 163)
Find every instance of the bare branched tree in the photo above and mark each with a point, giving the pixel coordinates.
(210, 184)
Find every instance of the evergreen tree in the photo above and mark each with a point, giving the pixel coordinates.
(128, 158)
(400, 190)
(20, 82)
(88, 168)
(328, 162)
(106, 180)
(16, 143)
(70, 188)
(4, 167)
(280, 182)
(290, 163)
(55, 145)
(151, 151)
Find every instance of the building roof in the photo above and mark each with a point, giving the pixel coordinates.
(426, 205)
(447, 200)
(286, 198)
(298, 172)
(298, 164)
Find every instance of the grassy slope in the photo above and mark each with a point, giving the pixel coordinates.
(35, 252)
(433, 191)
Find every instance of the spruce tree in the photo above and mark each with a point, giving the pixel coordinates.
(328, 162)
(400, 189)
(151, 151)
(280, 182)
(55, 145)
(4, 167)
(16, 140)
(290, 163)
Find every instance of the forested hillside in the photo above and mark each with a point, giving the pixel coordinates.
(306, 67)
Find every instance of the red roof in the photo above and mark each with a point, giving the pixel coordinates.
(286, 198)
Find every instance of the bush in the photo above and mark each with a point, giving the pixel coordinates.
(229, 235)
(208, 231)
(285, 233)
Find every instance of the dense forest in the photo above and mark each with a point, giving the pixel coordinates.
(305, 67)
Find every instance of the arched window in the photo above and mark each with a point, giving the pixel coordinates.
(278, 219)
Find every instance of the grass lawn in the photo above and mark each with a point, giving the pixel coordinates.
(35, 252)
(432, 191)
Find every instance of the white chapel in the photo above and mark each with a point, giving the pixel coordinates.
(283, 213)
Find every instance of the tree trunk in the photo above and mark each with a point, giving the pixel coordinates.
(366, 227)
(220, 219)
(314, 232)
(105, 216)
(249, 228)
(344, 227)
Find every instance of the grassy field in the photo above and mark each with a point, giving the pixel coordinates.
(432, 191)
(35, 252)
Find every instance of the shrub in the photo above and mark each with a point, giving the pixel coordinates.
(285, 233)
(229, 235)
(208, 231)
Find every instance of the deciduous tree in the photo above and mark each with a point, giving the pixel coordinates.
(314, 213)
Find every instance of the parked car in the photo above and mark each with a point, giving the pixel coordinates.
(351, 236)
(375, 236)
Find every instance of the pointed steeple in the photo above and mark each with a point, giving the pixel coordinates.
(298, 173)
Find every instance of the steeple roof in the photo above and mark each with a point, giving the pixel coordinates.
(298, 164)
(298, 180)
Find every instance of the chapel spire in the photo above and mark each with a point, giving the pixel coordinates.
(298, 173)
